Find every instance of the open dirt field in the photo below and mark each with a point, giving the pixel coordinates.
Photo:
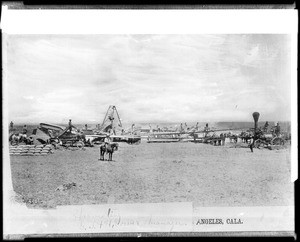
(204, 174)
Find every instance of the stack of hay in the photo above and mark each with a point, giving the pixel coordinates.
(46, 150)
(38, 149)
(30, 150)
(14, 150)
(25, 149)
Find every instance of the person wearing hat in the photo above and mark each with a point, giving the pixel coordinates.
(107, 140)
(70, 125)
(266, 126)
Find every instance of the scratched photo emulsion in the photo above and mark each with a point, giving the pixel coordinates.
(147, 120)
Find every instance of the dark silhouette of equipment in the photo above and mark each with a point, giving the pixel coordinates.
(111, 120)
(255, 117)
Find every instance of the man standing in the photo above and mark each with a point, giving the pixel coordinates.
(70, 124)
(24, 129)
(277, 129)
(266, 126)
(206, 129)
(181, 128)
(251, 146)
(11, 127)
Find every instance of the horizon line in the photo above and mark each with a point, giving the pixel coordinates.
(154, 122)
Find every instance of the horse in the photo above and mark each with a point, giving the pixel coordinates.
(109, 148)
(233, 138)
(246, 137)
(15, 139)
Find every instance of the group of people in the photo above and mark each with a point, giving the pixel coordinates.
(185, 128)
(24, 130)
(275, 129)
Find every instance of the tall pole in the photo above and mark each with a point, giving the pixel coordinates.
(255, 117)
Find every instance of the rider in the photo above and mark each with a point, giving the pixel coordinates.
(107, 140)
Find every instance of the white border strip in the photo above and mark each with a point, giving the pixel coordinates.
(294, 110)
(148, 21)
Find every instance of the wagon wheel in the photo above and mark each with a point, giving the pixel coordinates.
(258, 143)
(137, 142)
(79, 144)
(55, 143)
(68, 144)
(277, 141)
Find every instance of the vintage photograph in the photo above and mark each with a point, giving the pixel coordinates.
(97, 119)
(150, 118)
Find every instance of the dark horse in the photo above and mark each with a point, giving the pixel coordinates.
(109, 148)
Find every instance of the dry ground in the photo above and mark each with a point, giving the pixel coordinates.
(204, 174)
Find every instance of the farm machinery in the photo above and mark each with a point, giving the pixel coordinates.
(266, 139)
(214, 140)
(69, 138)
(263, 138)
(112, 126)
(58, 135)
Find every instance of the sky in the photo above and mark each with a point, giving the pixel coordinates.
(149, 78)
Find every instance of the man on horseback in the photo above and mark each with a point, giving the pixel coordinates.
(107, 147)
(107, 141)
